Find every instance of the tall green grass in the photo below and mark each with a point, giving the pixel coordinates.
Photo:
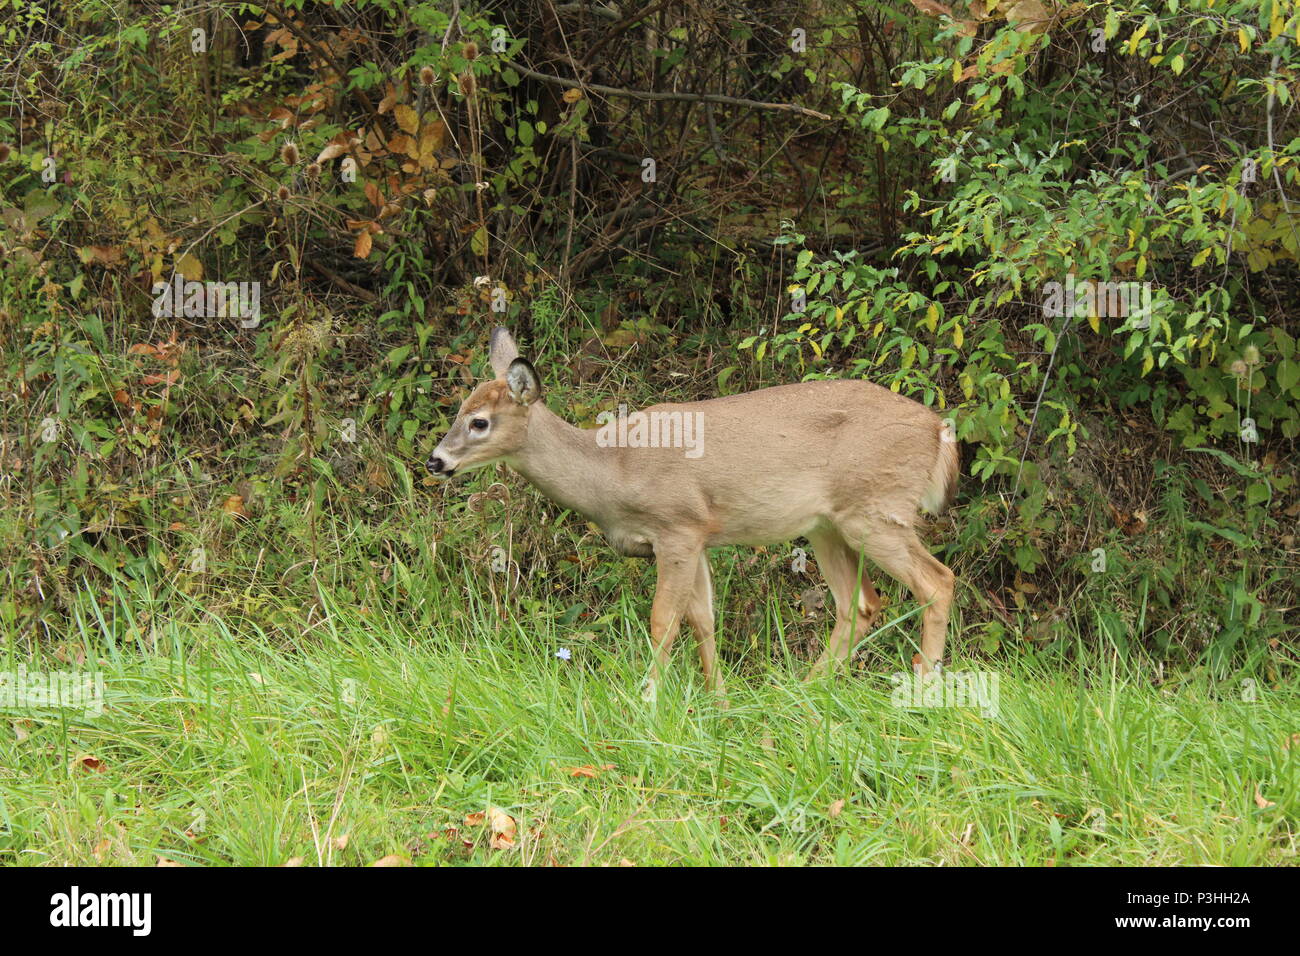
(360, 738)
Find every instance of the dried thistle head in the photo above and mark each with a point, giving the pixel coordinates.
(313, 170)
(470, 50)
(289, 154)
(427, 76)
(1250, 354)
(1238, 368)
(306, 339)
(5, 152)
(282, 194)
(468, 85)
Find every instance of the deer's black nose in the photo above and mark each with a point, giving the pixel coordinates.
(435, 464)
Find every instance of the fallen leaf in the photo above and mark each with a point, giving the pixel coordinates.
(836, 809)
(393, 859)
(1260, 801)
(341, 842)
(292, 861)
(88, 763)
(171, 378)
(588, 770)
(163, 861)
(503, 828)
(234, 505)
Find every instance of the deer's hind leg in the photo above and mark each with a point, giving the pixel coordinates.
(699, 615)
(856, 602)
(904, 557)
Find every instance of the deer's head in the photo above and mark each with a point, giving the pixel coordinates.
(493, 421)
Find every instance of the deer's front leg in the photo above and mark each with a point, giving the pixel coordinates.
(677, 567)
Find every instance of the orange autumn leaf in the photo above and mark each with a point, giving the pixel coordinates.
(171, 378)
(234, 505)
(588, 770)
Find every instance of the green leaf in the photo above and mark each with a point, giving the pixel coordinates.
(1288, 374)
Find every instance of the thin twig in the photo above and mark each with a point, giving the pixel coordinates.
(666, 95)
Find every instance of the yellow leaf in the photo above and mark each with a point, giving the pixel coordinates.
(958, 336)
(1095, 323)
(406, 118)
(189, 267)
(1243, 39)
(362, 248)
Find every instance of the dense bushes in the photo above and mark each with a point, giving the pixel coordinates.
(1071, 228)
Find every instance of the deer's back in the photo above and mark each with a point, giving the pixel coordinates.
(770, 464)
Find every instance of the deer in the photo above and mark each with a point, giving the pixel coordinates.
(846, 464)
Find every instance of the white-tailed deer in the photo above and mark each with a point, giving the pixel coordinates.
(845, 464)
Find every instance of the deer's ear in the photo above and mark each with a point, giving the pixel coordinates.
(525, 386)
(501, 351)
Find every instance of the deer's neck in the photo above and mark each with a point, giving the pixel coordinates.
(566, 464)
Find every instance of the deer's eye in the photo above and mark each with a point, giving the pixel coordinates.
(478, 424)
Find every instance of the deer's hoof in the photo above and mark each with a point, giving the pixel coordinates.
(650, 690)
(925, 672)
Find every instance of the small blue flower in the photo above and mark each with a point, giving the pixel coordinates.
(564, 654)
